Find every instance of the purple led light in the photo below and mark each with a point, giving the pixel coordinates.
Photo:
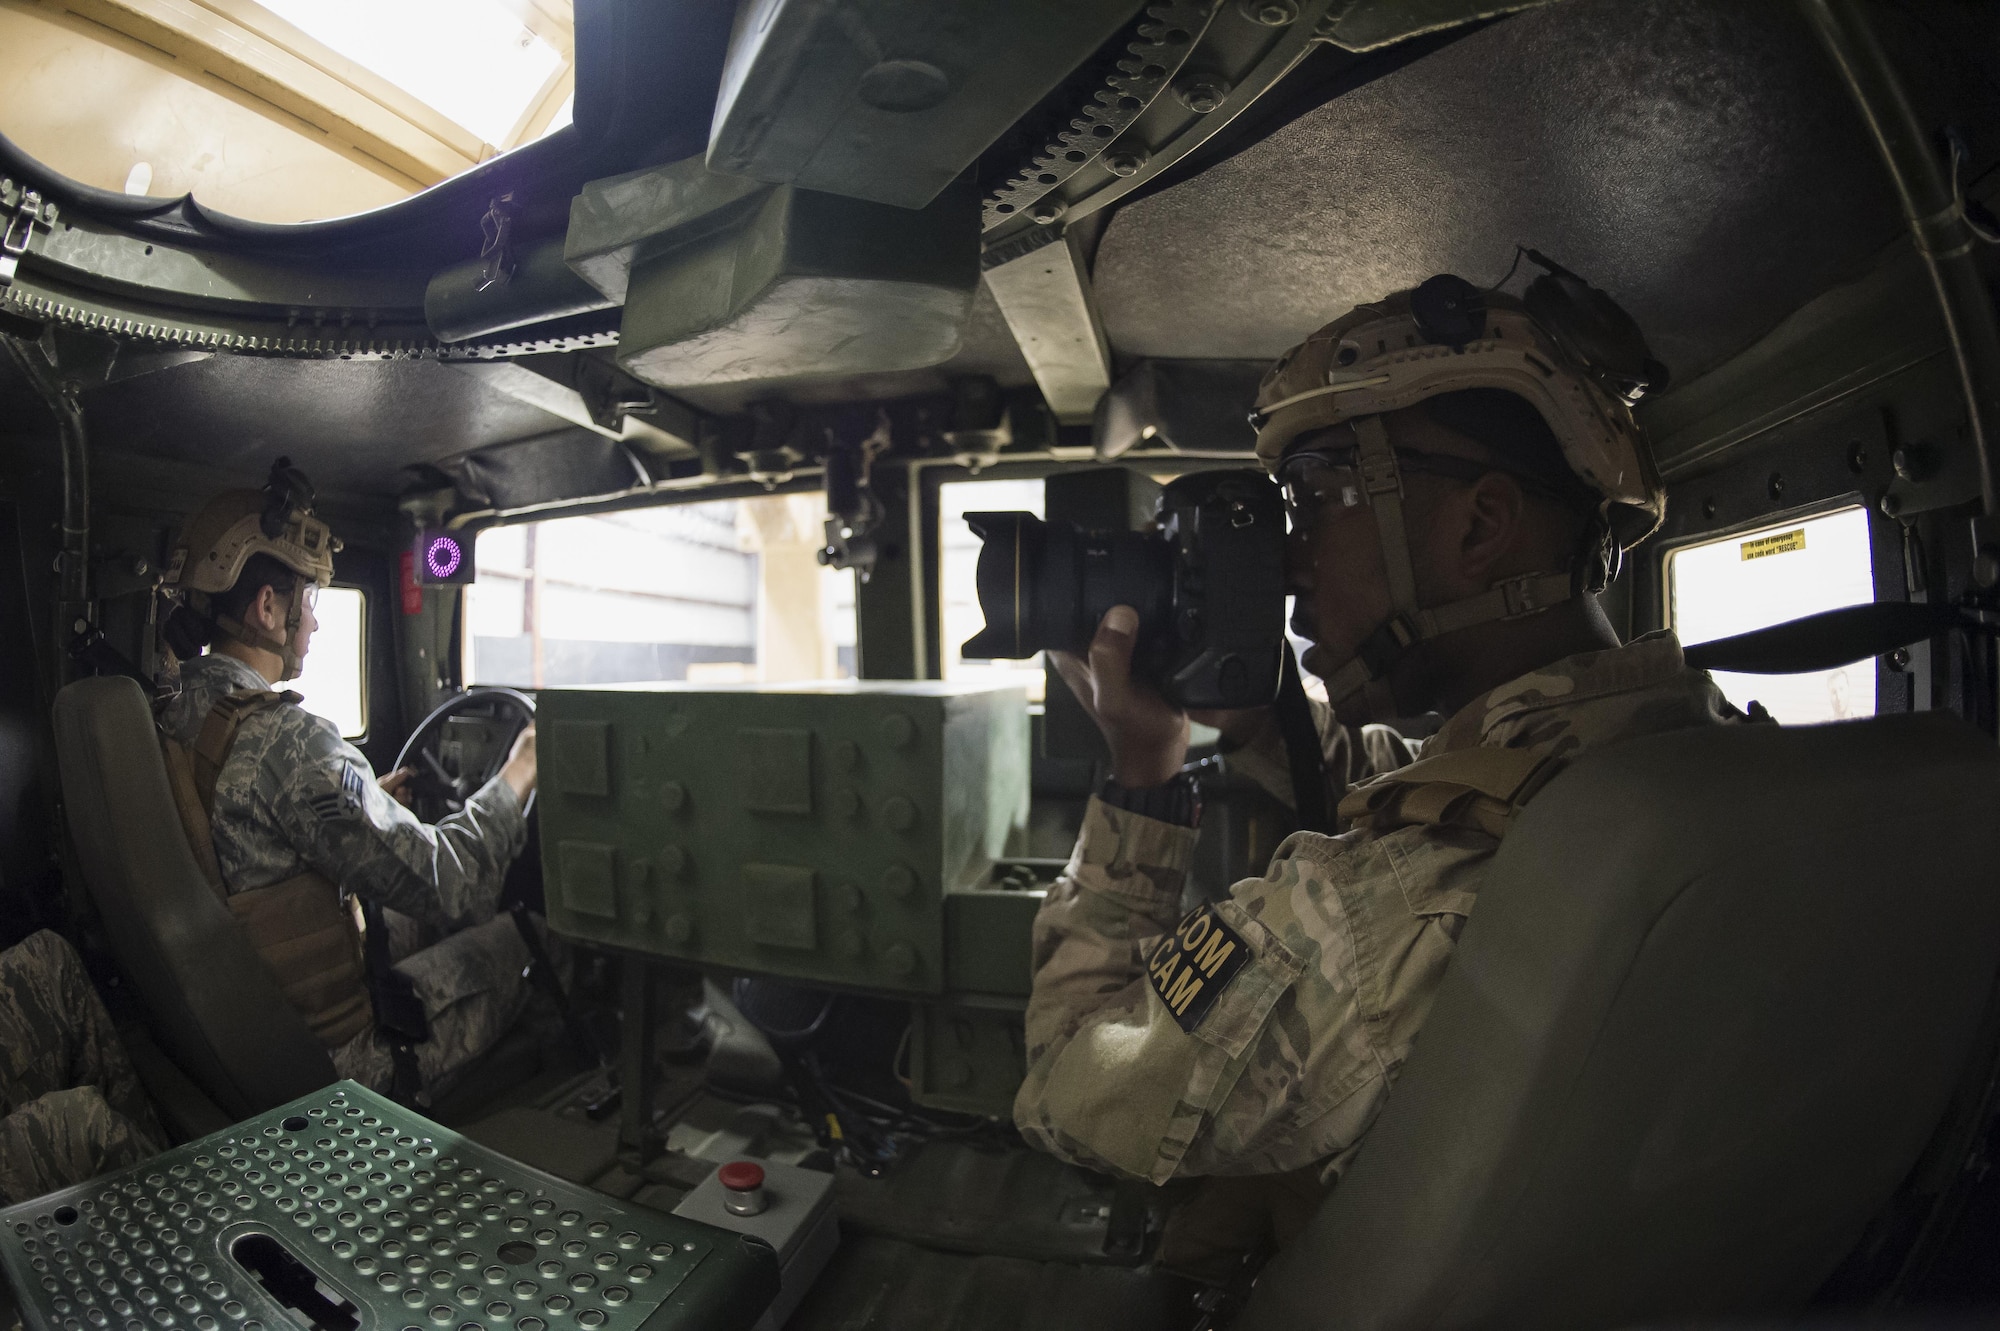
(442, 556)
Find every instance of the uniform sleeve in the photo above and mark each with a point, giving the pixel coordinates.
(1231, 1040)
(325, 800)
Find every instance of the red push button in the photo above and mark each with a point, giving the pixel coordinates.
(743, 1188)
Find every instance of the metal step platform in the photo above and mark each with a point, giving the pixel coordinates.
(343, 1211)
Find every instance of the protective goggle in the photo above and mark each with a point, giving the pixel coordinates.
(1311, 477)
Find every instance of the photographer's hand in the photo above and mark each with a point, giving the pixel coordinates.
(1148, 735)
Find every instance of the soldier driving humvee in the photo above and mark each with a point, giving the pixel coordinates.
(298, 821)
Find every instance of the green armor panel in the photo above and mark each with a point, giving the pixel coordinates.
(841, 834)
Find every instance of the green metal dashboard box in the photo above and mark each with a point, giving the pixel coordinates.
(810, 831)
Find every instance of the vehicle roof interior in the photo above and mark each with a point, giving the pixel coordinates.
(1695, 160)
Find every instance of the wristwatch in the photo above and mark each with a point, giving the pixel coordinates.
(1178, 801)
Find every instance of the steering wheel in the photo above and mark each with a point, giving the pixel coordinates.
(458, 748)
(461, 746)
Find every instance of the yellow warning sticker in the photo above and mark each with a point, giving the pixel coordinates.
(1777, 543)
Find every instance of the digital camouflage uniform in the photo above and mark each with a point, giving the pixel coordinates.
(294, 795)
(73, 1107)
(1291, 1051)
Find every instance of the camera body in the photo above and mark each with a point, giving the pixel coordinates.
(1208, 583)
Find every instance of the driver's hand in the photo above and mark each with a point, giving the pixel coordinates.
(520, 769)
(1148, 735)
(396, 786)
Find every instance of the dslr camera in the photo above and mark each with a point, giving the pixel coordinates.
(1208, 582)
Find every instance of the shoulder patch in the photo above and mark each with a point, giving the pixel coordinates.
(331, 806)
(1191, 965)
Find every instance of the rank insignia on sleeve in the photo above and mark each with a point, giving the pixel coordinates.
(1193, 963)
(332, 806)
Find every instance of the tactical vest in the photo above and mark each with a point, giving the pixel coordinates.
(299, 926)
(1481, 788)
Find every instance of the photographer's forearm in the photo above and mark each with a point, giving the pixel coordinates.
(1121, 891)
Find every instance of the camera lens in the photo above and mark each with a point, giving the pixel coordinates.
(1046, 585)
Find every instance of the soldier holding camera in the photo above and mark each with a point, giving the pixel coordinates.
(1462, 474)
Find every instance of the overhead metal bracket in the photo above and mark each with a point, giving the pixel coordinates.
(21, 210)
(1042, 286)
(587, 394)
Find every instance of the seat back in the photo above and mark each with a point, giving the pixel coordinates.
(206, 995)
(1715, 997)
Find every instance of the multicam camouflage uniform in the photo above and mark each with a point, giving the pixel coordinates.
(1348, 754)
(1318, 975)
(294, 795)
(73, 1107)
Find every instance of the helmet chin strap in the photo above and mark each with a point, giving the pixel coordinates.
(1361, 687)
(291, 662)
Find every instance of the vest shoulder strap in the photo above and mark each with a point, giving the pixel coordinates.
(1481, 788)
(218, 735)
(194, 816)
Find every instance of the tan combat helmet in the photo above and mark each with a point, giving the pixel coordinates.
(220, 538)
(1565, 348)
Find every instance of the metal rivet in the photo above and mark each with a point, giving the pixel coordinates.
(903, 86)
(1201, 95)
(1270, 13)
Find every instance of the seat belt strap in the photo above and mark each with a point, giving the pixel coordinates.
(399, 1013)
(1305, 752)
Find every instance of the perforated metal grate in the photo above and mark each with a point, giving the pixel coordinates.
(412, 1225)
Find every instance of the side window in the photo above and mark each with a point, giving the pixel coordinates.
(1721, 588)
(335, 679)
(958, 591)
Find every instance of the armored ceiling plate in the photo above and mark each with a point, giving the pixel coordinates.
(807, 284)
(890, 100)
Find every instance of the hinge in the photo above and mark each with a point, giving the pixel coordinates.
(21, 211)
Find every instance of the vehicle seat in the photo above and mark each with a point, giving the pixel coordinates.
(1718, 992)
(206, 995)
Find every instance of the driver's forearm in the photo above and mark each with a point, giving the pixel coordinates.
(469, 851)
(449, 874)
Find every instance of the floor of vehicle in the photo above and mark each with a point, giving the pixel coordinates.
(978, 1232)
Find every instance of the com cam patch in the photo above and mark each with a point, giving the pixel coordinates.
(1192, 964)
